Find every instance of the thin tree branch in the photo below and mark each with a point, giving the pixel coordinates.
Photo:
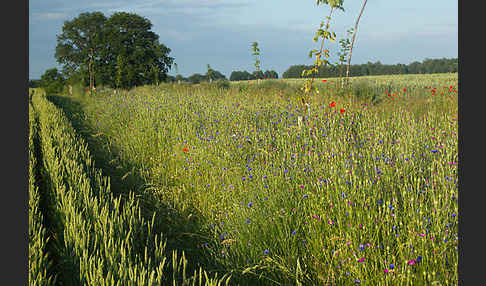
(352, 41)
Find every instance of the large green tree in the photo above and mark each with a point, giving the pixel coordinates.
(80, 45)
(133, 53)
(120, 51)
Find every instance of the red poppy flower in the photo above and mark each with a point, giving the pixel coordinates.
(342, 110)
(185, 149)
(404, 90)
(332, 104)
(324, 80)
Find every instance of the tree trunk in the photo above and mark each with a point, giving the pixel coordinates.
(352, 41)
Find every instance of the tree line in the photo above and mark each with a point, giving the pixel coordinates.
(122, 52)
(427, 66)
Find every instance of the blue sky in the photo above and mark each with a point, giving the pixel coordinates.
(220, 32)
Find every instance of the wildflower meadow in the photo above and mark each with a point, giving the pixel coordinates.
(179, 184)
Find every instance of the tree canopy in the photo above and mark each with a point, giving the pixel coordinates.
(427, 66)
(52, 81)
(240, 75)
(119, 51)
(245, 75)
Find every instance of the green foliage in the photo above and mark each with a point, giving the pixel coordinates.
(428, 66)
(52, 81)
(258, 75)
(170, 79)
(338, 4)
(99, 239)
(40, 261)
(134, 51)
(222, 84)
(34, 83)
(270, 74)
(321, 55)
(241, 75)
(196, 78)
(119, 51)
(210, 74)
(180, 78)
(81, 42)
(343, 53)
(256, 54)
(317, 193)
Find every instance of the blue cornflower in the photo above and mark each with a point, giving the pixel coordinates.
(248, 221)
(305, 196)
(294, 232)
(391, 266)
(357, 281)
(266, 251)
(419, 258)
(361, 247)
(222, 236)
(249, 205)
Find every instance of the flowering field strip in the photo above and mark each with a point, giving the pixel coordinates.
(408, 80)
(100, 239)
(39, 260)
(357, 193)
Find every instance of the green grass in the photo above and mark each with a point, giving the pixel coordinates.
(98, 238)
(275, 202)
(39, 261)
